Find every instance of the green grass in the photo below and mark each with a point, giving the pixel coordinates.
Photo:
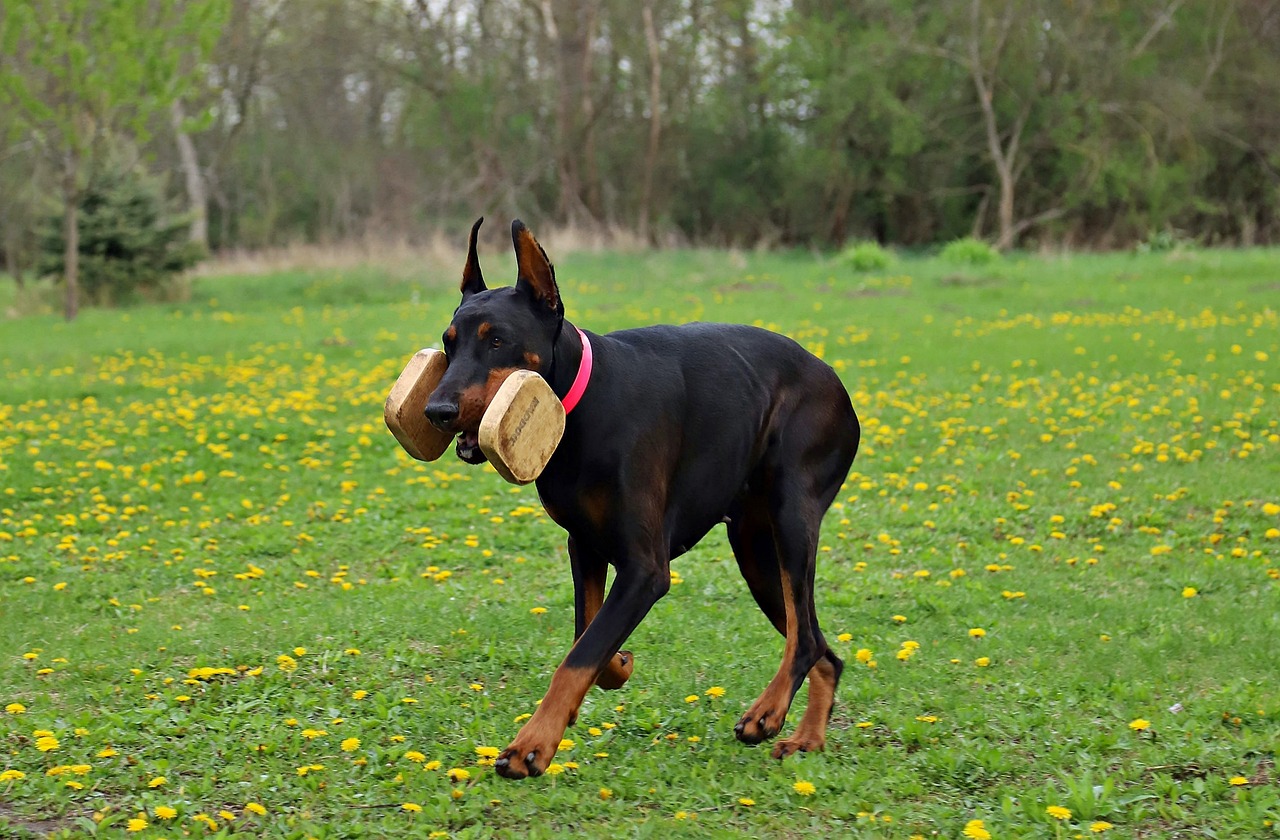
(1054, 450)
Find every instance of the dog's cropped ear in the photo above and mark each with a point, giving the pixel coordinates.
(534, 272)
(472, 279)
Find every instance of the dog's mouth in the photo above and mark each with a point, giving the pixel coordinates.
(469, 448)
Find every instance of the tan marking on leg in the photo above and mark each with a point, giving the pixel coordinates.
(765, 717)
(537, 742)
(811, 734)
(596, 504)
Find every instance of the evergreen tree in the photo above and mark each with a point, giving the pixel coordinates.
(128, 244)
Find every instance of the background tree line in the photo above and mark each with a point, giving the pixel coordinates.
(1093, 123)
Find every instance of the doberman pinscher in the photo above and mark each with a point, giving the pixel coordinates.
(679, 428)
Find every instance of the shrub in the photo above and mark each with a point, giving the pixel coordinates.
(129, 244)
(969, 251)
(1163, 241)
(865, 256)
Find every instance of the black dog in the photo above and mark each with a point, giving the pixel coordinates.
(679, 428)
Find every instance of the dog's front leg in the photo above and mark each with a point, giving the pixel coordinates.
(589, 573)
(638, 586)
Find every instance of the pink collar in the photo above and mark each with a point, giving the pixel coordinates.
(579, 386)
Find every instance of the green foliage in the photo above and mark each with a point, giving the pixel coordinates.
(76, 71)
(129, 244)
(969, 251)
(76, 65)
(865, 256)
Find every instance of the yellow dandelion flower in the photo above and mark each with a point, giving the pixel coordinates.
(554, 769)
(1140, 725)
(1190, 592)
(976, 830)
(804, 788)
(349, 744)
(1238, 780)
(1058, 812)
(457, 774)
(157, 781)
(746, 801)
(136, 824)
(255, 808)
(164, 812)
(606, 793)
(715, 691)
(1100, 826)
(11, 775)
(15, 708)
(977, 633)
(411, 807)
(844, 637)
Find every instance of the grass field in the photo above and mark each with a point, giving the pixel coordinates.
(231, 606)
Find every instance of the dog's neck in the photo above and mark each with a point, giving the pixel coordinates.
(566, 359)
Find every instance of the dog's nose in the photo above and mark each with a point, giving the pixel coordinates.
(442, 414)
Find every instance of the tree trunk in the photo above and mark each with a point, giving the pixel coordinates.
(71, 234)
(1004, 211)
(1001, 154)
(655, 119)
(13, 260)
(197, 198)
(568, 29)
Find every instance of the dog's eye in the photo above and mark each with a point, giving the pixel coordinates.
(495, 343)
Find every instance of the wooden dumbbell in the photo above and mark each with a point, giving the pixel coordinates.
(405, 408)
(519, 431)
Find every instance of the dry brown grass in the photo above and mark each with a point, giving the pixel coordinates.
(440, 251)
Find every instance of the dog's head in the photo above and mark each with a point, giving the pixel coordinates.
(495, 332)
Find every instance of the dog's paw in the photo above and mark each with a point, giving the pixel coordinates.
(618, 671)
(798, 743)
(531, 751)
(519, 762)
(759, 724)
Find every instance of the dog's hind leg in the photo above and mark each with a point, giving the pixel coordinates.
(788, 604)
(774, 534)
